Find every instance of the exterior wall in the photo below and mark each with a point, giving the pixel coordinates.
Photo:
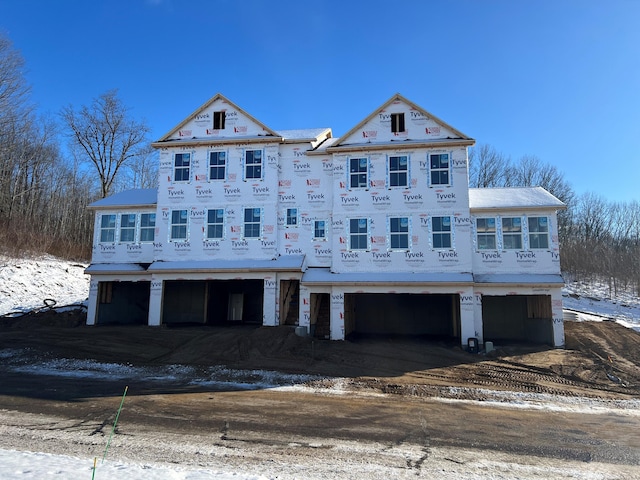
(117, 251)
(420, 202)
(522, 260)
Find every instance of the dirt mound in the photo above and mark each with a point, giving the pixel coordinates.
(601, 359)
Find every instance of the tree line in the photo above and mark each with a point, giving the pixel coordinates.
(45, 189)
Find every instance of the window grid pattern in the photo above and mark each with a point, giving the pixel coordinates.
(253, 164)
(512, 233)
(292, 217)
(398, 171)
(217, 165)
(179, 222)
(252, 222)
(319, 230)
(107, 229)
(538, 232)
(182, 167)
(399, 233)
(439, 166)
(358, 172)
(358, 234)
(127, 227)
(441, 232)
(147, 227)
(215, 223)
(486, 233)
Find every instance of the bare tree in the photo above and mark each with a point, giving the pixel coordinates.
(106, 136)
(487, 167)
(14, 90)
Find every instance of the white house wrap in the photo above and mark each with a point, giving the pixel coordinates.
(376, 232)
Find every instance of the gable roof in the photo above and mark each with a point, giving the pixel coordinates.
(400, 98)
(217, 96)
(529, 198)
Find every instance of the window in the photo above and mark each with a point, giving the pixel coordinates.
(215, 223)
(179, 220)
(399, 233)
(217, 165)
(147, 227)
(108, 228)
(397, 122)
(127, 227)
(358, 172)
(439, 165)
(218, 120)
(252, 218)
(358, 234)
(441, 232)
(538, 232)
(292, 217)
(512, 233)
(398, 171)
(253, 164)
(486, 233)
(182, 163)
(319, 230)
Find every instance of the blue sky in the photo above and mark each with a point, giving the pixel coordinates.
(556, 79)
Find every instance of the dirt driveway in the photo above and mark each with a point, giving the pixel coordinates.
(400, 404)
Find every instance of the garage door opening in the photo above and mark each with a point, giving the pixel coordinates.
(434, 315)
(519, 318)
(123, 303)
(212, 302)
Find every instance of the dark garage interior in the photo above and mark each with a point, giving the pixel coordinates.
(123, 303)
(518, 318)
(435, 315)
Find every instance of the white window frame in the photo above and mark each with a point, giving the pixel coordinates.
(439, 169)
(537, 233)
(129, 229)
(359, 223)
(175, 225)
(395, 233)
(316, 229)
(182, 167)
(442, 232)
(110, 227)
(253, 165)
(218, 167)
(509, 232)
(363, 162)
(398, 172)
(210, 224)
(146, 228)
(488, 230)
(246, 223)
(291, 217)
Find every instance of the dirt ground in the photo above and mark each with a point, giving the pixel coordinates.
(395, 394)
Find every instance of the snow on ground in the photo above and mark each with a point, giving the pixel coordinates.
(26, 283)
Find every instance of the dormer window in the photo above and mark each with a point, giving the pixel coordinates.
(218, 120)
(397, 122)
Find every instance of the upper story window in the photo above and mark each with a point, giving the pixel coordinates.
(538, 232)
(397, 122)
(147, 227)
(127, 227)
(486, 233)
(439, 168)
(179, 224)
(399, 233)
(398, 171)
(181, 167)
(215, 223)
(292, 217)
(358, 234)
(358, 172)
(217, 165)
(441, 231)
(108, 228)
(252, 222)
(512, 233)
(218, 120)
(253, 164)
(319, 230)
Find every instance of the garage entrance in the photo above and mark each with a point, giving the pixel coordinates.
(403, 314)
(123, 303)
(213, 302)
(518, 318)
